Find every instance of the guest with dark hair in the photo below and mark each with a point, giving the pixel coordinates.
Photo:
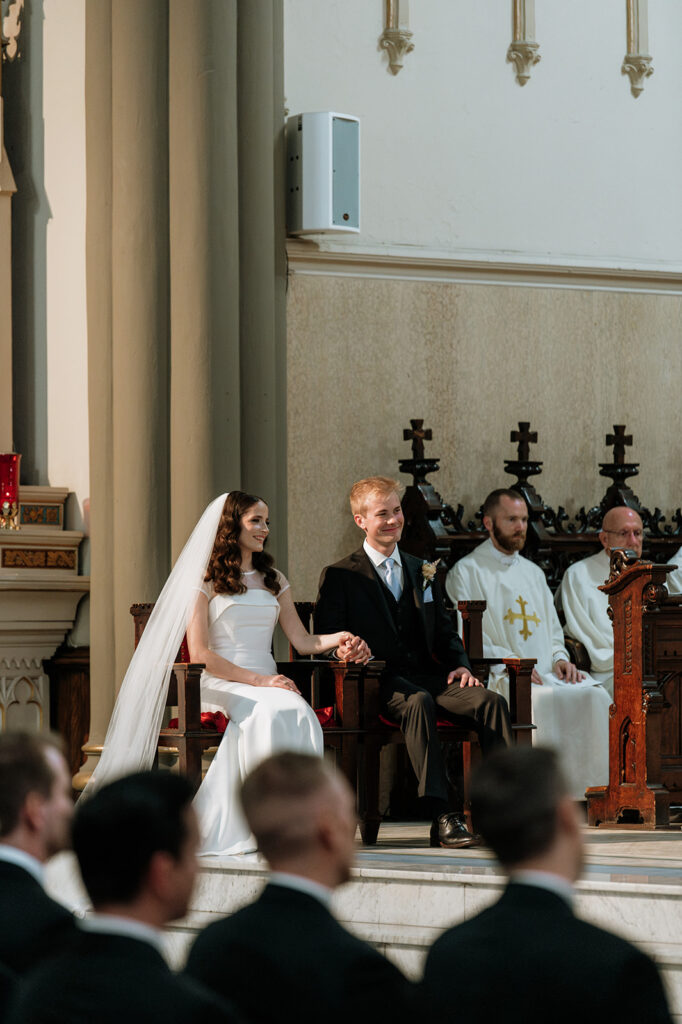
(286, 955)
(35, 823)
(136, 842)
(528, 958)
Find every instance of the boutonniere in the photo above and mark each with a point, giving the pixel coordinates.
(428, 573)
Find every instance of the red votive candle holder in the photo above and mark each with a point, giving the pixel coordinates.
(9, 490)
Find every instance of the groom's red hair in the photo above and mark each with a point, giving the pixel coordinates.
(371, 485)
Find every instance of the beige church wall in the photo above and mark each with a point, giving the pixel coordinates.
(66, 310)
(45, 108)
(457, 157)
(365, 354)
(45, 128)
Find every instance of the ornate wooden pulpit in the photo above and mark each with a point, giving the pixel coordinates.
(645, 725)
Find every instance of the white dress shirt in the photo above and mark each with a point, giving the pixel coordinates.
(557, 884)
(300, 884)
(379, 559)
(12, 855)
(112, 924)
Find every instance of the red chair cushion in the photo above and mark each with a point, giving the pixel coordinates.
(325, 716)
(214, 721)
(443, 723)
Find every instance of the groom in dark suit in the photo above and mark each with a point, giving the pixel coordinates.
(528, 959)
(392, 601)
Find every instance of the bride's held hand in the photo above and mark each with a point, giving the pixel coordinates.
(353, 648)
(283, 682)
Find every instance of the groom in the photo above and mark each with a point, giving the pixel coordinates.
(384, 595)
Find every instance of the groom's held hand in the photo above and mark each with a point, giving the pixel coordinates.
(354, 649)
(464, 677)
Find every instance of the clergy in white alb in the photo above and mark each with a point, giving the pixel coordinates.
(570, 710)
(584, 605)
(674, 579)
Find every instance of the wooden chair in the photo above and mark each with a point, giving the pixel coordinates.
(189, 739)
(376, 732)
(346, 697)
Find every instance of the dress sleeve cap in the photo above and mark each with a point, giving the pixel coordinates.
(283, 582)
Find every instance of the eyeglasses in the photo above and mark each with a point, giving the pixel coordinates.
(624, 534)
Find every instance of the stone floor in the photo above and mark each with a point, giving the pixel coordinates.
(620, 854)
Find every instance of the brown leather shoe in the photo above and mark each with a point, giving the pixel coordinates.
(448, 830)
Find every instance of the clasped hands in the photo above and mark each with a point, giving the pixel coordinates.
(353, 648)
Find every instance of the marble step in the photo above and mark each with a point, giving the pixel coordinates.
(401, 897)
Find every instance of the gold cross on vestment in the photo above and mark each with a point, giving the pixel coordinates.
(510, 616)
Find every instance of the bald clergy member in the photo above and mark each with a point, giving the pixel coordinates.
(570, 709)
(584, 605)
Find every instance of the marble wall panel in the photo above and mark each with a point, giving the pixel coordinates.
(367, 353)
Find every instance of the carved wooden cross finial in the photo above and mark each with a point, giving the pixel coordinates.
(620, 441)
(525, 437)
(417, 435)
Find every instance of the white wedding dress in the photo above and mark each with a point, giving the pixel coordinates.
(262, 720)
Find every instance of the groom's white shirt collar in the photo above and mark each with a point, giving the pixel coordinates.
(378, 557)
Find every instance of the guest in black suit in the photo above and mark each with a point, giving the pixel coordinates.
(528, 959)
(136, 842)
(392, 600)
(285, 957)
(8, 980)
(36, 809)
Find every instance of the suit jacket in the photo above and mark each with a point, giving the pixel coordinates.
(352, 597)
(112, 979)
(528, 959)
(31, 923)
(285, 957)
(8, 980)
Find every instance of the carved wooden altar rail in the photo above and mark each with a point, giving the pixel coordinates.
(645, 725)
(435, 529)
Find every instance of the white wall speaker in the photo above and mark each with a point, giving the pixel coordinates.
(323, 173)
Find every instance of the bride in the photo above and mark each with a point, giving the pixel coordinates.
(225, 592)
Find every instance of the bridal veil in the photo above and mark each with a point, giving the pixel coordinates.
(131, 740)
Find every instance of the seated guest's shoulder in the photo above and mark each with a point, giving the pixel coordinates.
(72, 987)
(201, 1003)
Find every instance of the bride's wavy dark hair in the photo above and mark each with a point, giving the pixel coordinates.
(225, 564)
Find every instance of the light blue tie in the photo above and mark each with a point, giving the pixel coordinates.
(392, 578)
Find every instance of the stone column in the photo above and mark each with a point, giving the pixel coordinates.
(7, 190)
(204, 259)
(100, 385)
(140, 273)
(262, 260)
(127, 264)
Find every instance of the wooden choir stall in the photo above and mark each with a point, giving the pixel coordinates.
(645, 728)
(645, 735)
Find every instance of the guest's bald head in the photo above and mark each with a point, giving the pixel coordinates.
(301, 813)
(622, 528)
